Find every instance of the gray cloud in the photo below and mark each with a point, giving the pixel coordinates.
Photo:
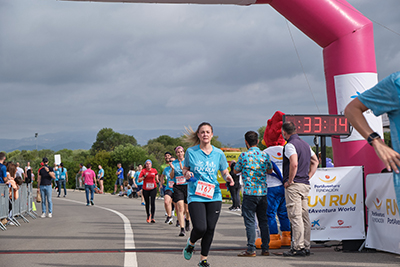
(67, 66)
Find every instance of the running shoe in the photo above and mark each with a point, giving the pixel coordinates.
(188, 250)
(187, 225)
(113, 193)
(43, 215)
(91, 202)
(204, 263)
(231, 208)
(169, 220)
(153, 221)
(177, 223)
(294, 253)
(148, 219)
(50, 215)
(143, 204)
(182, 232)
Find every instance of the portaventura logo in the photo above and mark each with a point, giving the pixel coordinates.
(378, 203)
(327, 179)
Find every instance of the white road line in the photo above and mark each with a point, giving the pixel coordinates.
(130, 259)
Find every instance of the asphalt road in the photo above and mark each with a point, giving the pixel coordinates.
(114, 232)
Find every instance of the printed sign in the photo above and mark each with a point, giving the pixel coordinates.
(383, 213)
(336, 205)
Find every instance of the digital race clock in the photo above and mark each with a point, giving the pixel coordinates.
(319, 124)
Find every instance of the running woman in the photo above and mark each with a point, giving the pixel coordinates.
(149, 176)
(139, 185)
(169, 192)
(180, 191)
(201, 166)
(100, 178)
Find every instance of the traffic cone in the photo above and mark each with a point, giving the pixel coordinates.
(286, 240)
(275, 241)
(33, 206)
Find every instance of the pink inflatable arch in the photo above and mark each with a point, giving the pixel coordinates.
(346, 37)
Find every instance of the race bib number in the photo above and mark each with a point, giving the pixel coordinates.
(170, 184)
(180, 180)
(149, 186)
(205, 189)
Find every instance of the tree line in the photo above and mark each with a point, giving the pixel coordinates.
(109, 149)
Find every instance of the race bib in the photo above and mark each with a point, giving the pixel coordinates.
(170, 184)
(180, 180)
(205, 189)
(149, 186)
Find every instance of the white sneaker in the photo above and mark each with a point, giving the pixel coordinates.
(43, 215)
(50, 215)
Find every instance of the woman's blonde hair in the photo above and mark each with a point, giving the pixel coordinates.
(191, 136)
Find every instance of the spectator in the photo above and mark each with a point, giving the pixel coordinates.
(3, 169)
(235, 189)
(90, 180)
(299, 165)
(45, 176)
(120, 178)
(20, 172)
(63, 179)
(81, 170)
(254, 166)
(131, 175)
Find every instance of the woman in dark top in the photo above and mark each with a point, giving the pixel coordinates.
(235, 189)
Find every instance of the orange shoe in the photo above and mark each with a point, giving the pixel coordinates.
(148, 219)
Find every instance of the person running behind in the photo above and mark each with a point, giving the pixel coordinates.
(89, 177)
(201, 166)
(149, 176)
(169, 192)
(180, 191)
(139, 185)
(100, 178)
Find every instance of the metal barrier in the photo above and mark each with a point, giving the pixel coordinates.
(19, 207)
(79, 186)
(4, 196)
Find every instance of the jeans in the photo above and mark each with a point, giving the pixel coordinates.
(297, 208)
(235, 195)
(277, 205)
(251, 206)
(45, 191)
(62, 183)
(91, 189)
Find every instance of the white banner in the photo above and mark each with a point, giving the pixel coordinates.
(336, 204)
(348, 87)
(383, 214)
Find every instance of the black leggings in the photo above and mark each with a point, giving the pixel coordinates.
(150, 195)
(204, 216)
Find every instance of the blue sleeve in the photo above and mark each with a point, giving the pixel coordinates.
(223, 164)
(383, 97)
(277, 173)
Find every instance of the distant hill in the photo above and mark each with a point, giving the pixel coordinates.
(228, 136)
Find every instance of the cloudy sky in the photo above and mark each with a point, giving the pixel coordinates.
(68, 66)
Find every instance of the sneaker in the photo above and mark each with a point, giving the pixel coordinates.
(87, 204)
(50, 215)
(203, 263)
(231, 208)
(10, 223)
(148, 219)
(43, 215)
(58, 196)
(187, 225)
(170, 221)
(247, 254)
(177, 223)
(188, 250)
(294, 253)
(307, 252)
(265, 253)
(113, 193)
(143, 204)
(153, 221)
(91, 202)
(182, 232)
